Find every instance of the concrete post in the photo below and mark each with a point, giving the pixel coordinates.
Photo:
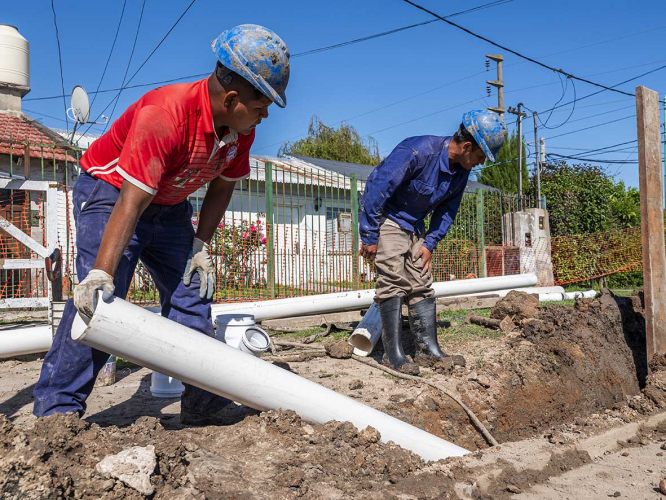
(652, 219)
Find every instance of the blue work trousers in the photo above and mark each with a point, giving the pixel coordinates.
(162, 241)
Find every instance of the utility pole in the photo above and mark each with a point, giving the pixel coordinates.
(652, 219)
(499, 84)
(537, 163)
(520, 114)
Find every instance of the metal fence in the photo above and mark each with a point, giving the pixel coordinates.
(291, 229)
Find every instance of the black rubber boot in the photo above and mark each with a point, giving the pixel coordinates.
(199, 407)
(423, 325)
(391, 314)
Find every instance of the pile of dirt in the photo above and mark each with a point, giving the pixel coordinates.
(562, 364)
(517, 305)
(274, 455)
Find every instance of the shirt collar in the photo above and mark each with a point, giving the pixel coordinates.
(444, 158)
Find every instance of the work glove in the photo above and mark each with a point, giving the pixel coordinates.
(201, 263)
(84, 293)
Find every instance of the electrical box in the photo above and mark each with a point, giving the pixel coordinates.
(344, 222)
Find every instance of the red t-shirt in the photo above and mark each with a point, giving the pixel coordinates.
(165, 143)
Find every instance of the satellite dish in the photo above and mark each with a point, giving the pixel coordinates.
(80, 105)
(81, 110)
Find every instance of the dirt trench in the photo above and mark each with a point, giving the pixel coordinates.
(562, 366)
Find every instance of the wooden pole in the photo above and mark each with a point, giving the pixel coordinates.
(652, 219)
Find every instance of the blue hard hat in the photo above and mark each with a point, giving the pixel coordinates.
(258, 55)
(488, 129)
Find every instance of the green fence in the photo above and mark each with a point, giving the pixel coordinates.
(291, 229)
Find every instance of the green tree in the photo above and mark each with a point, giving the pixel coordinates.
(584, 199)
(503, 172)
(328, 143)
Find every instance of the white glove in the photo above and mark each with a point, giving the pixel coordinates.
(84, 293)
(201, 263)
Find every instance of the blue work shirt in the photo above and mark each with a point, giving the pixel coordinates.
(414, 180)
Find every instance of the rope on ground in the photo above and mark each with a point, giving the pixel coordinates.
(477, 423)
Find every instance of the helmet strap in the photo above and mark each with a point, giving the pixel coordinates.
(223, 74)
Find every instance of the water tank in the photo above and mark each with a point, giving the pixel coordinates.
(14, 57)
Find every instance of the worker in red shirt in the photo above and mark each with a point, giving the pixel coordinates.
(130, 204)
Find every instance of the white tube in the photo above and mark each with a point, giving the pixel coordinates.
(20, 341)
(367, 333)
(369, 330)
(530, 290)
(589, 294)
(332, 302)
(149, 340)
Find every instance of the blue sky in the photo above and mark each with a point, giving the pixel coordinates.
(435, 70)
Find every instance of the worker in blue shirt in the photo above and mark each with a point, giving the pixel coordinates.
(422, 175)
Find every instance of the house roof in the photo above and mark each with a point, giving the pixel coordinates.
(363, 171)
(292, 170)
(472, 186)
(16, 128)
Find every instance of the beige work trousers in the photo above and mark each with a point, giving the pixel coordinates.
(398, 275)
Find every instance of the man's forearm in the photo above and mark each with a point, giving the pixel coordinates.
(215, 204)
(120, 227)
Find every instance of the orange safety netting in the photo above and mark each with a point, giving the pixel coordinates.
(25, 211)
(587, 256)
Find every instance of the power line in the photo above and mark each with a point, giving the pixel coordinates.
(601, 42)
(126, 87)
(108, 59)
(594, 126)
(136, 37)
(301, 54)
(394, 103)
(543, 65)
(424, 116)
(593, 160)
(42, 114)
(587, 151)
(397, 30)
(123, 87)
(200, 75)
(609, 88)
(62, 81)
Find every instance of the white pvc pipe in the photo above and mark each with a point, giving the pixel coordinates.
(332, 302)
(589, 294)
(149, 340)
(531, 290)
(367, 333)
(18, 341)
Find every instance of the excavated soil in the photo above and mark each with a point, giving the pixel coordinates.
(274, 455)
(564, 369)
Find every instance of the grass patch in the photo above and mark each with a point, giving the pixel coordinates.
(467, 332)
(452, 314)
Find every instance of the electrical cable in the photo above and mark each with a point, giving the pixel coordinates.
(527, 58)
(129, 62)
(591, 160)
(397, 30)
(123, 87)
(610, 88)
(62, 81)
(108, 59)
(200, 75)
(594, 126)
(394, 103)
